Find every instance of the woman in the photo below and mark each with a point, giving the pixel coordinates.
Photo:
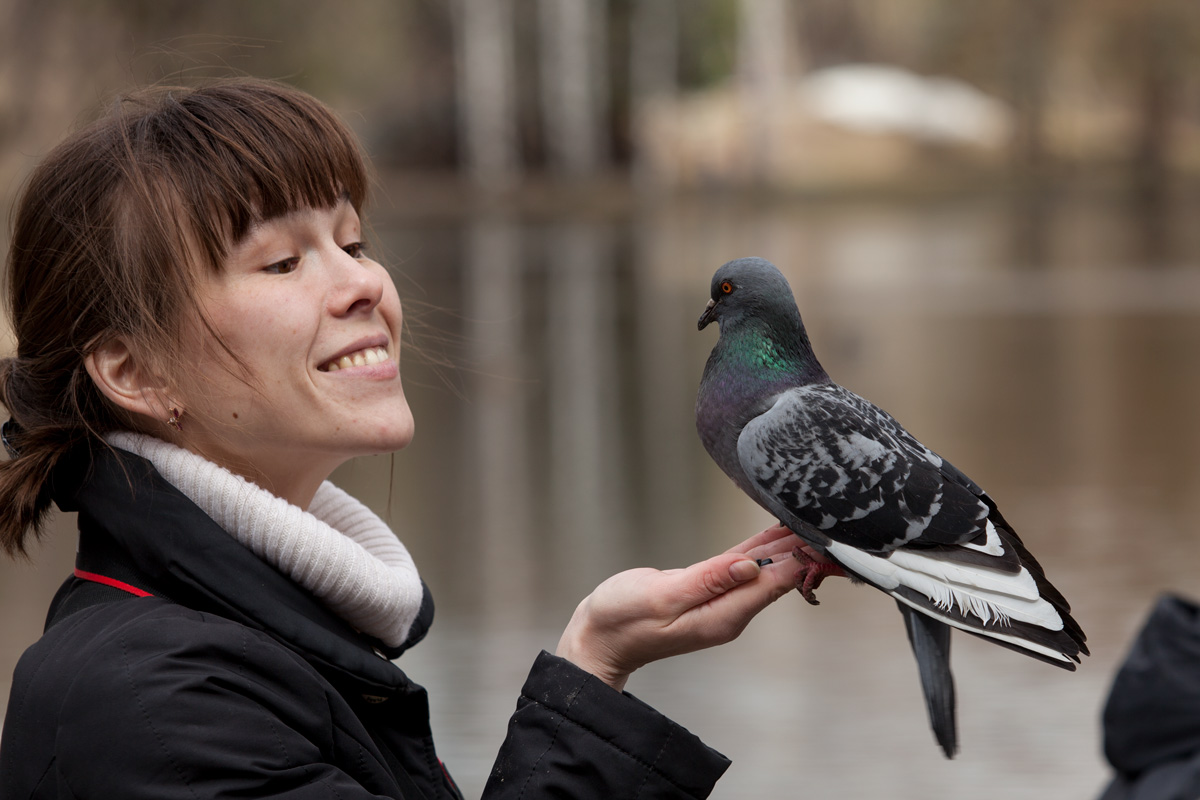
(202, 339)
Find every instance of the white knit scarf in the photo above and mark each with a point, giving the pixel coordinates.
(339, 549)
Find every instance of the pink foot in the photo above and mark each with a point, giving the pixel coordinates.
(813, 569)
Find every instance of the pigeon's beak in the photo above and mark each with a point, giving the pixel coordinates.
(710, 313)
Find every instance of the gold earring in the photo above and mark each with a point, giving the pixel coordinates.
(176, 419)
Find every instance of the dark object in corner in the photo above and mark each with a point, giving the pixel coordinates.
(1152, 716)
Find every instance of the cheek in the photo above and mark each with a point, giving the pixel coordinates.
(256, 328)
(226, 358)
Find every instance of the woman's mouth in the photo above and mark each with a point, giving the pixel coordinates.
(359, 358)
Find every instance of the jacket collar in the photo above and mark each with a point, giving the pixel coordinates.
(135, 524)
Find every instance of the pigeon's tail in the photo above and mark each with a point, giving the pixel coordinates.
(930, 641)
(995, 590)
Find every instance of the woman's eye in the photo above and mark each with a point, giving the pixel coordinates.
(355, 249)
(283, 267)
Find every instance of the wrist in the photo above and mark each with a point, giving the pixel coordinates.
(583, 649)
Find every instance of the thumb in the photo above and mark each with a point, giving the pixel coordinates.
(702, 582)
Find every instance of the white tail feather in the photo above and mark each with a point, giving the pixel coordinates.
(986, 594)
(992, 633)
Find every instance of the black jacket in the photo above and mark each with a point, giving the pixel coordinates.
(1152, 717)
(229, 680)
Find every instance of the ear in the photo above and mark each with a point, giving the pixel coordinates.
(128, 381)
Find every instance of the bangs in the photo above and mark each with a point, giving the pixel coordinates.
(232, 155)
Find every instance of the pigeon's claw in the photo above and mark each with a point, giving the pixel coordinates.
(811, 572)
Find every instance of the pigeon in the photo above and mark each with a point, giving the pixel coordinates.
(865, 497)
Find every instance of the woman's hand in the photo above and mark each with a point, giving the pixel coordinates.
(644, 615)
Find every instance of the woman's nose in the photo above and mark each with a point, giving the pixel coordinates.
(359, 285)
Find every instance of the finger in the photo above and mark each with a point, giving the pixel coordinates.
(781, 543)
(763, 539)
(775, 550)
(724, 617)
(774, 581)
(702, 582)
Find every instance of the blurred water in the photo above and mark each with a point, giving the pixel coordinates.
(1047, 351)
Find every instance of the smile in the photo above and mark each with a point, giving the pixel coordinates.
(361, 358)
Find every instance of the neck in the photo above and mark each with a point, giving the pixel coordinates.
(767, 355)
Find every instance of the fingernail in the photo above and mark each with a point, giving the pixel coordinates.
(743, 570)
(762, 562)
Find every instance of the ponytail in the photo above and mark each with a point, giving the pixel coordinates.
(33, 455)
(24, 490)
(49, 420)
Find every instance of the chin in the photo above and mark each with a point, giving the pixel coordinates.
(382, 445)
(403, 441)
(398, 435)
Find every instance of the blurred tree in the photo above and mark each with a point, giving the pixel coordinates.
(573, 69)
(765, 48)
(1148, 51)
(653, 59)
(490, 86)
(486, 68)
(1159, 36)
(1030, 29)
(708, 42)
(834, 32)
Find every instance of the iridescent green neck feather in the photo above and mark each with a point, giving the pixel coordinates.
(758, 351)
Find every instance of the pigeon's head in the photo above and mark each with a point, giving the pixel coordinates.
(749, 288)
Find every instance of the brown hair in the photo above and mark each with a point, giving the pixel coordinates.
(109, 232)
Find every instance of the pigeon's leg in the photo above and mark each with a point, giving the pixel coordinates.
(813, 569)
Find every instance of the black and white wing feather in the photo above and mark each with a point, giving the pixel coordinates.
(847, 478)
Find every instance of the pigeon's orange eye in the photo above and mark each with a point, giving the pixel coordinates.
(726, 287)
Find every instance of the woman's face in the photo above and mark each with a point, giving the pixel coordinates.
(316, 325)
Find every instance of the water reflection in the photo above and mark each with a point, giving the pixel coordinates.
(1062, 377)
(498, 449)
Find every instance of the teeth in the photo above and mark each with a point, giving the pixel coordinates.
(372, 355)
